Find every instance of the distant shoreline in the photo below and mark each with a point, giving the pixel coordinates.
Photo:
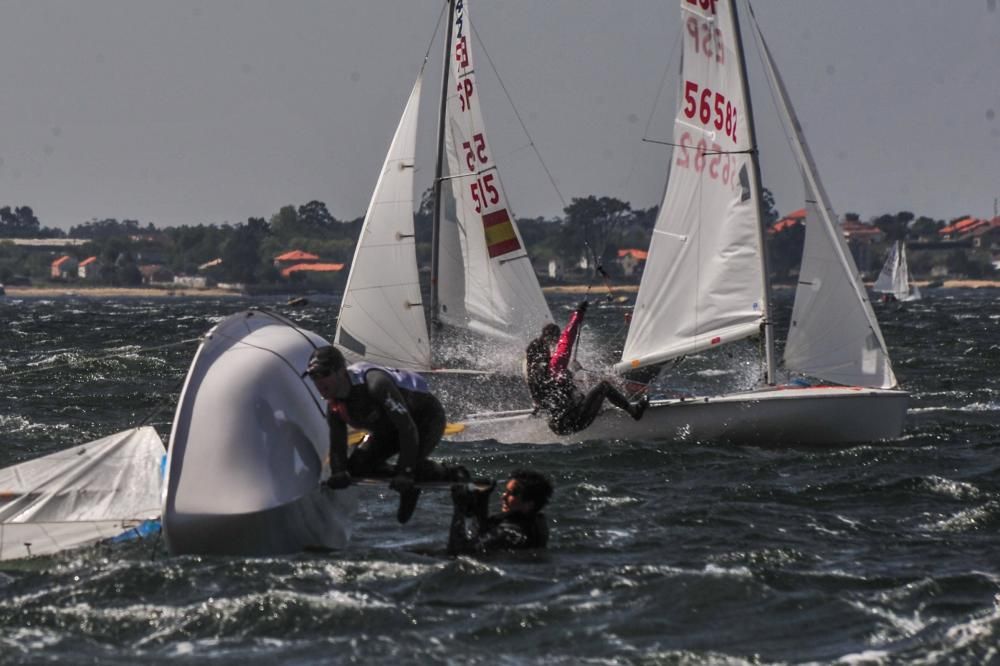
(188, 292)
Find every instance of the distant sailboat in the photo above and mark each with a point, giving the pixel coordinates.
(705, 282)
(894, 280)
(482, 279)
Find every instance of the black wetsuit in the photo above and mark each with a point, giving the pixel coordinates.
(553, 389)
(401, 415)
(505, 531)
(538, 357)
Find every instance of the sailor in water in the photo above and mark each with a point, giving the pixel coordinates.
(555, 391)
(519, 525)
(398, 411)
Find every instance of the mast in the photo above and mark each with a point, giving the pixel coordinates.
(768, 324)
(439, 170)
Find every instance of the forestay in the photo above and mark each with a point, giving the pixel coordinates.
(703, 284)
(381, 316)
(834, 334)
(81, 495)
(486, 280)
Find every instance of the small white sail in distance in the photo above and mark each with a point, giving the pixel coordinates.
(895, 276)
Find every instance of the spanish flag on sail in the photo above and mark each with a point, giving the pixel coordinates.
(500, 235)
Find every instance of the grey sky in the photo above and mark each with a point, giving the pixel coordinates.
(187, 112)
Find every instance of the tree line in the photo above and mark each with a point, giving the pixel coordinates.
(591, 227)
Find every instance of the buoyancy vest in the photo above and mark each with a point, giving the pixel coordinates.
(405, 380)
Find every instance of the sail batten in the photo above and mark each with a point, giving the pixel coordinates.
(378, 320)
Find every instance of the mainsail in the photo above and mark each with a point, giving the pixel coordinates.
(382, 316)
(81, 495)
(486, 282)
(703, 284)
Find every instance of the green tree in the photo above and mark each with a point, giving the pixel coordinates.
(592, 225)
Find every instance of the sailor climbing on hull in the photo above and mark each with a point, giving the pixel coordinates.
(400, 414)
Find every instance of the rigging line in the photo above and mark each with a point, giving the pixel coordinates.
(437, 26)
(159, 406)
(758, 37)
(52, 365)
(517, 114)
(656, 103)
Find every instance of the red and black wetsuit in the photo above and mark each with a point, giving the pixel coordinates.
(399, 411)
(569, 409)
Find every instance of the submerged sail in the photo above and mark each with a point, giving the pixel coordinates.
(486, 280)
(381, 316)
(703, 284)
(81, 495)
(895, 276)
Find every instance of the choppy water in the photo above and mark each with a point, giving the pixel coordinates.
(662, 552)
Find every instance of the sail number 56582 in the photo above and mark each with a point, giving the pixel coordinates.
(709, 107)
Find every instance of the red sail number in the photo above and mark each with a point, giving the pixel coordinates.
(707, 5)
(709, 108)
(464, 88)
(707, 39)
(484, 192)
(475, 150)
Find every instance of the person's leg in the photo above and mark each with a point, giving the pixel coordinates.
(369, 457)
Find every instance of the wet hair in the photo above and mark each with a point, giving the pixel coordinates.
(536, 487)
(325, 361)
(550, 331)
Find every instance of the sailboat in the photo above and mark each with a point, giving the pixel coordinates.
(249, 443)
(482, 280)
(894, 280)
(705, 283)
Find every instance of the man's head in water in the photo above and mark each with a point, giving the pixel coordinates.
(526, 491)
(550, 333)
(327, 369)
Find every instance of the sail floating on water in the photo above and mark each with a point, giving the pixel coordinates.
(81, 495)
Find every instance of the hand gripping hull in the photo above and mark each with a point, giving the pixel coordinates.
(249, 447)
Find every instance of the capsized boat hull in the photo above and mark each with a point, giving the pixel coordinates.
(826, 415)
(248, 448)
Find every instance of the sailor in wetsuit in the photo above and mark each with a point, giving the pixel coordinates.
(556, 392)
(539, 353)
(395, 407)
(519, 525)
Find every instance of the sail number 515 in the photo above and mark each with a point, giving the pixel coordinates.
(484, 192)
(703, 104)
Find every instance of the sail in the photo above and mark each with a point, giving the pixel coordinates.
(381, 316)
(703, 284)
(895, 276)
(486, 281)
(81, 495)
(834, 334)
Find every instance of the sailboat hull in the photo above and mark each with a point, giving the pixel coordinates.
(823, 415)
(248, 448)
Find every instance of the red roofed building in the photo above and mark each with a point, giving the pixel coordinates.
(787, 222)
(294, 257)
(88, 268)
(64, 267)
(314, 268)
(962, 228)
(631, 260)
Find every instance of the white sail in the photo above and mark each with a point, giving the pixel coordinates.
(381, 316)
(486, 282)
(834, 334)
(895, 276)
(703, 284)
(81, 495)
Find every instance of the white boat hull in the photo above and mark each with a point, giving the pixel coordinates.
(248, 448)
(827, 415)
